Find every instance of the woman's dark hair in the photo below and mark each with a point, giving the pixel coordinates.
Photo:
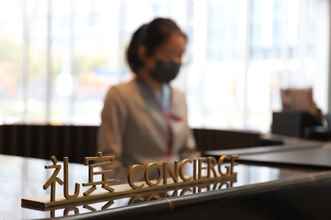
(150, 36)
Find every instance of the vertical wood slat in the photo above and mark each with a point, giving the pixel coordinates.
(1, 140)
(13, 140)
(42, 141)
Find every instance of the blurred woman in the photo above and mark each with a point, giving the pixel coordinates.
(146, 118)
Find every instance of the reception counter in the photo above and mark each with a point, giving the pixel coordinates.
(289, 180)
(260, 192)
(294, 153)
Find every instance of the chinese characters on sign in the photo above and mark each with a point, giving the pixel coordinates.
(156, 176)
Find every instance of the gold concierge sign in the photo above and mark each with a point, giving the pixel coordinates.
(156, 176)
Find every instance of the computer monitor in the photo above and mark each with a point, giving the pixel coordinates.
(294, 99)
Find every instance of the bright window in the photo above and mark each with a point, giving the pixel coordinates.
(58, 58)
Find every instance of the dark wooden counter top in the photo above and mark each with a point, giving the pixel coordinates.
(294, 153)
(24, 177)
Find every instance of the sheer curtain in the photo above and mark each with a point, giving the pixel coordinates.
(59, 57)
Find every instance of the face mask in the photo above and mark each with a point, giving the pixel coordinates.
(165, 71)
